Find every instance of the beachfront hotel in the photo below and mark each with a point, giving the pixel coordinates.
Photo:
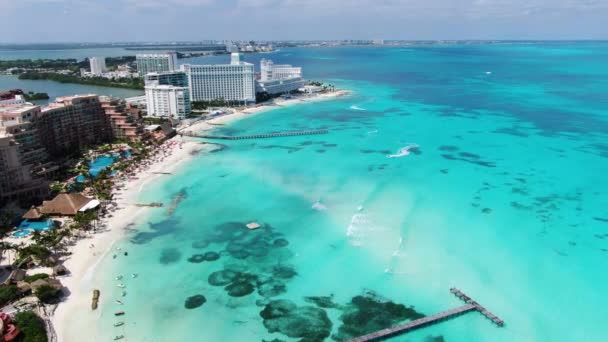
(122, 122)
(23, 160)
(71, 123)
(168, 101)
(98, 65)
(159, 62)
(278, 78)
(234, 82)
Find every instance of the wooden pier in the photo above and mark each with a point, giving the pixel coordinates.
(470, 305)
(255, 136)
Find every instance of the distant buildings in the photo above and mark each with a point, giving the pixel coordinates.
(278, 78)
(168, 101)
(147, 63)
(98, 65)
(232, 82)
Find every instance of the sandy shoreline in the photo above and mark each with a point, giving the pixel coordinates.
(88, 252)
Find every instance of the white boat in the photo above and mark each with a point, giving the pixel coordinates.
(122, 286)
(119, 302)
(119, 277)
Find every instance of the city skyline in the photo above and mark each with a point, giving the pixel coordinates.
(187, 20)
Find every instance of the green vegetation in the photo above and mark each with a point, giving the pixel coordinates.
(35, 250)
(31, 96)
(33, 278)
(6, 222)
(47, 294)
(201, 105)
(32, 327)
(130, 83)
(264, 96)
(38, 64)
(8, 293)
(61, 64)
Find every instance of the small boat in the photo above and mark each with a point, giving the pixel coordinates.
(122, 286)
(117, 324)
(124, 293)
(134, 275)
(119, 302)
(119, 337)
(119, 313)
(119, 277)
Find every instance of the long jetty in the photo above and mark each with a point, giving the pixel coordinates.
(255, 136)
(470, 305)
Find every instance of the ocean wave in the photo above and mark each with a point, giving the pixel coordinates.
(319, 206)
(404, 151)
(355, 107)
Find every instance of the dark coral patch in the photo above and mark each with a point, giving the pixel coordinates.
(195, 301)
(239, 289)
(170, 256)
(196, 258)
(211, 256)
(368, 313)
(284, 272)
(271, 288)
(325, 302)
(222, 278)
(280, 243)
(306, 323)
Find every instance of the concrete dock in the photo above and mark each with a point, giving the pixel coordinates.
(255, 136)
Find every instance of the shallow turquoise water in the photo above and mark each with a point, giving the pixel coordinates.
(504, 198)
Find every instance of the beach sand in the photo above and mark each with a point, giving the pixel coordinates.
(89, 251)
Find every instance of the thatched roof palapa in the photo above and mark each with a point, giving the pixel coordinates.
(64, 204)
(33, 214)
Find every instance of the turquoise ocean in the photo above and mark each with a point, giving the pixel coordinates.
(503, 195)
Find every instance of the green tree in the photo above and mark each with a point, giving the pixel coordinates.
(47, 294)
(8, 293)
(32, 327)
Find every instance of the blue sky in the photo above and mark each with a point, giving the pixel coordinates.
(172, 20)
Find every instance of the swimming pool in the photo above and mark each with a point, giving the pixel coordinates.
(101, 163)
(26, 227)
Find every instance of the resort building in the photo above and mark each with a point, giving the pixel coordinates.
(173, 78)
(23, 160)
(234, 82)
(17, 100)
(271, 72)
(122, 121)
(168, 101)
(72, 123)
(98, 65)
(162, 62)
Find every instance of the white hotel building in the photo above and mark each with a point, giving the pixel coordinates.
(168, 101)
(98, 65)
(159, 62)
(234, 82)
(279, 78)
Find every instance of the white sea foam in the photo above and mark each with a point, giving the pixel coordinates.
(354, 107)
(319, 206)
(404, 151)
(372, 132)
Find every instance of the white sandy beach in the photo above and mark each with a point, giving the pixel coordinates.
(88, 252)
